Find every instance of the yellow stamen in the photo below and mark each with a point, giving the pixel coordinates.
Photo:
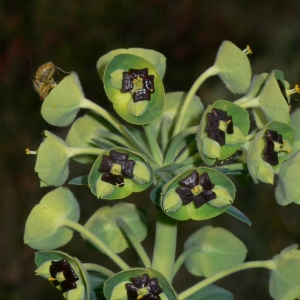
(51, 279)
(27, 151)
(247, 50)
(296, 89)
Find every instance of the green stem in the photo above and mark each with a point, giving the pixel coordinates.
(269, 264)
(95, 241)
(173, 148)
(156, 152)
(135, 242)
(99, 269)
(250, 103)
(209, 72)
(233, 167)
(165, 245)
(194, 160)
(85, 103)
(165, 129)
(84, 151)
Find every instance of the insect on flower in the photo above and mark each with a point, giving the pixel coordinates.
(43, 81)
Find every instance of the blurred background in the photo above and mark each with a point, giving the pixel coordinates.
(74, 34)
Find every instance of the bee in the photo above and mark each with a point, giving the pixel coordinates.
(43, 81)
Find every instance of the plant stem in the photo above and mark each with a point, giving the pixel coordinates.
(269, 264)
(165, 245)
(95, 241)
(250, 103)
(209, 72)
(173, 148)
(99, 269)
(156, 152)
(135, 242)
(84, 151)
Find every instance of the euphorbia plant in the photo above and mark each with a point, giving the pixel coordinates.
(172, 152)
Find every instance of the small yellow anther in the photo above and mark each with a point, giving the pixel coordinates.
(27, 151)
(247, 50)
(51, 279)
(296, 89)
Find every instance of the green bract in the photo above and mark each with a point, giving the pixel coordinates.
(141, 112)
(103, 223)
(114, 287)
(172, 204)
(233, 67)
(284, 280)
(157, 59)
(259, 169)
(63, 103)
(43, 260)
(52, 163)
(210, 250)
(211, 292)
(142, 172)
(43, 230)
(209, 149)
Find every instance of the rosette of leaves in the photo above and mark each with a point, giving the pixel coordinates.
(157, 59)
(197, 194)
(52, 163)
(135, 88)
(141, 283)
(83, 132)
(268, 150)
(233, 67)
(272, 101)
(64, 272)
(104, 224)
(64, 101)
(210, 250)
(43, 230)
(119, 172)
(223, 129)
(284, 279)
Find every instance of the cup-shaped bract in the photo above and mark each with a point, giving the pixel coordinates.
(223, 129)
(135, 88)
(129, 283)
(52, 163)
(63, 103)
(211, 250)
(103, 223)
(270, 147)
(233, 67)
(157, 59)
(43, 230)
(288, 188)
(197, 194)
(66, 273)
(119, 172)
(284, 279)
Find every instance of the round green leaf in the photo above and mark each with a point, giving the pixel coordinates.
(213, 250)
(52, 163)
(121, 100)
(155, 58)
(42, 228)
(107, 191)
(233, 67)
(63, 103)
(173, 208)
(123, 277)
(284, 279)
(103, 224)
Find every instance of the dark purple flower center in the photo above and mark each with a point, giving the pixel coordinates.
(218, 123)
(140, 83)
(196, 188)
(144, 288)
(274, 145)
(115, 167)
(63, 266)
(282, 89)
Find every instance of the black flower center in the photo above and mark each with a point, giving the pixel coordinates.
(138, 82)
(63, 275)
(219, 123)
(274, 145)
(143, 288)
(283, 91)
(196, 188)
(115, 167)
